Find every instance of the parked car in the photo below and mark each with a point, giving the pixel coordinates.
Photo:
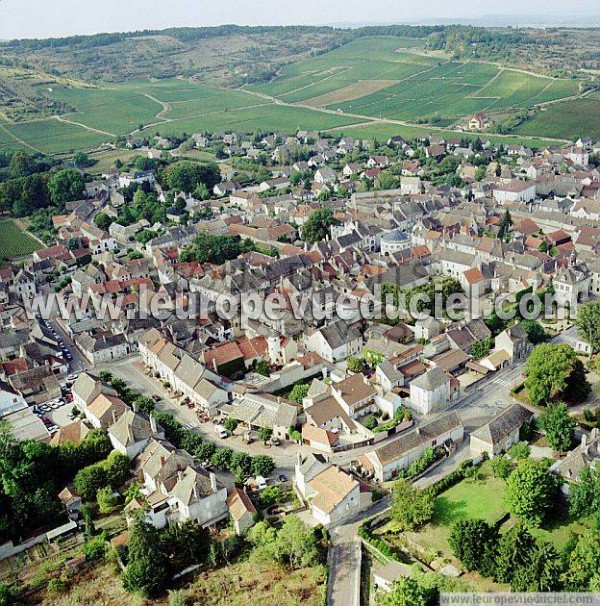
(221, 432)
(282, 478)
(261, 482)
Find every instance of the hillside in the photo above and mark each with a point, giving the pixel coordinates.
(58, 96)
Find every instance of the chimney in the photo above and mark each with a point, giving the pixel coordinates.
(195, 490)
(298, 459)
(114, 416)
(162, 461)
(153, 425)
(215, 367)
(213, 482)
(584, 440)
(179, 475)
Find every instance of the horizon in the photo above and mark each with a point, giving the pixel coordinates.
(23, 20)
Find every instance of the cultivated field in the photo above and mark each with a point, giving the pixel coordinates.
(404, 85)
(14, 242)
(362, 83)
(571, 119)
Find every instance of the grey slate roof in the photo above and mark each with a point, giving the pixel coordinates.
(502, 425)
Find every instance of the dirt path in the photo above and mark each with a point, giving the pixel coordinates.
(166, 107)
(370, 120)
(90, 128)
(18, 140)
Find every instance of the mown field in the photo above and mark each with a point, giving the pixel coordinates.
(14, 242)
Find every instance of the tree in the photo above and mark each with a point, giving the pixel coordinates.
(407, 592)
(66, 185)
(542, 574)
(82, 160)
(588, 323)
(230, 424)
(515, 549)
(410, 507)
(296, 543)
(222, 458)
(584, 496)
(317, 226)
(531, 491)
(299, 392)
(6, 595)
(555, 372)
(502, 466)
(107, 500)
(481, 349)
(264, 434)
(505, 225)
(105, 376)
(103, 221)
(535, 331)
(144, 404)
(263, 465)
(269, 496)
(472, 542)
(186, 176)
(583, 563)
(89, 481)
(263, 368)
(241, 466)
(355, 365)
(559, 427)
(147, 569)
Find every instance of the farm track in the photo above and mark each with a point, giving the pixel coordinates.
(345, 68)
(166, 107)
(18, 140)
(370, 120)
(90, 128)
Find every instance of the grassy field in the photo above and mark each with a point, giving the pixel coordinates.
(14, 242)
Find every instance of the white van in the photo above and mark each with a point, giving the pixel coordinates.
(221, 432)
(261, 482)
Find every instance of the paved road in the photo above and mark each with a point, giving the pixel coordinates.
(345, 558)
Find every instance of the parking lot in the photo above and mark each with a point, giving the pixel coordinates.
(56, 413)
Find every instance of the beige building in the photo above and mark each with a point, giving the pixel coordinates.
(500, 433)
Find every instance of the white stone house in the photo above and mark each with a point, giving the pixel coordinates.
(430, 392)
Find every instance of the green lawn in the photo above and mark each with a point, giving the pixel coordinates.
(483, 498)
(472, 499)
(14, 242)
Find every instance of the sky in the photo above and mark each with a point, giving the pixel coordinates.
(53, 18)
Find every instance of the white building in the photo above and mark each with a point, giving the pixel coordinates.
(430, 392)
